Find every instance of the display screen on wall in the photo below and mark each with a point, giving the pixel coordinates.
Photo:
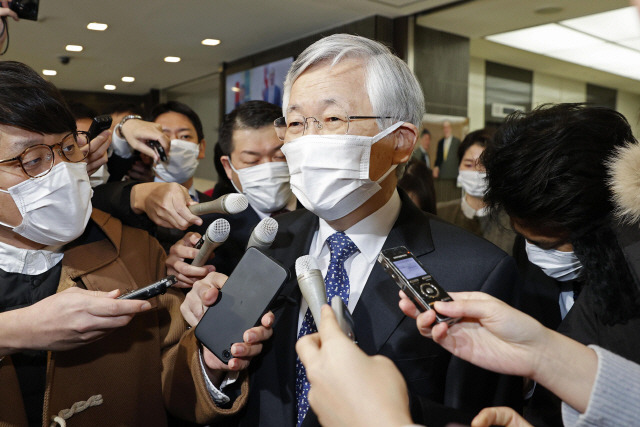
(262, 83)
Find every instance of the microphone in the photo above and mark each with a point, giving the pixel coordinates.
(216, 235)
(263, 234)
(311, 284)
(232, 203)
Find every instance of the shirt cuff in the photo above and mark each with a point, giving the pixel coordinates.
(121, 147)
(216, 394)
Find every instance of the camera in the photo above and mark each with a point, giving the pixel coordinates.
(26, 9)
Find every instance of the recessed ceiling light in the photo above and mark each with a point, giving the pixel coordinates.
(110, 87)
(211, 42)
(172, 59)
(96, 26)
(49, 72)
(127, 79)
(73, 48)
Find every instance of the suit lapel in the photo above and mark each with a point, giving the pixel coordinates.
(377, 313)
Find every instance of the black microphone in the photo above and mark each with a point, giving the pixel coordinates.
(263, 234)
(311, 285)
(216, 234)
(232, 203)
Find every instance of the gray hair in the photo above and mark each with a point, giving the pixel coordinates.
(392, 88)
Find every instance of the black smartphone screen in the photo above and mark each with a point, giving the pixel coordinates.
(244, 298)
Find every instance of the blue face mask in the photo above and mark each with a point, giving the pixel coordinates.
(558, 265)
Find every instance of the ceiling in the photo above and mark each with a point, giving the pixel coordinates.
(506, 15)
(142, 32)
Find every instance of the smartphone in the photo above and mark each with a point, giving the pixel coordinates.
(343, 316)
(245, 298)
(26, 9)
(158, 147)
(158, 288)
(99, 125)
(412, 278)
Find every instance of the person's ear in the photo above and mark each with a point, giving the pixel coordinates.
(405, 138)
(203, 146)
(227, 166)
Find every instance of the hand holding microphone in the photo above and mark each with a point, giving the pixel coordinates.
(263, 234)
(217, 233)
(232, 203)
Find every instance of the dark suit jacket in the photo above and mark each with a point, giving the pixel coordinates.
(381, 328)
(449, 167)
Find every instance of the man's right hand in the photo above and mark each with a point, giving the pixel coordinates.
(166, 204)
(138, 132)
(186, 274)
(67, 320)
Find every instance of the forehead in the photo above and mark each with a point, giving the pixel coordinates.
(473, 152)
(323, 85)
(173, 120)
(14, 139)
(263, 139)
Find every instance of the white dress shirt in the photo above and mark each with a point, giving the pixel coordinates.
(28, 261)
(368, 235)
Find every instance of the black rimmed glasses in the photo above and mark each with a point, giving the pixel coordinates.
(330, 123)
(38, 160)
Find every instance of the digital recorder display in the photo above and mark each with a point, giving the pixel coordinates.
(410, 268)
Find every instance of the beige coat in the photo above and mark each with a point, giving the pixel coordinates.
(140, 369)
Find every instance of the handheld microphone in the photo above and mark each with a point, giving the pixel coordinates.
(216, 235)
(263, 234)
(311, 285)
(232, 203)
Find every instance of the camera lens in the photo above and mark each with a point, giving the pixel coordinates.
(226, 354)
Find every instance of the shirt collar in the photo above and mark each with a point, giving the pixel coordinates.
(369, 234)
(28, 261)
(469, 212)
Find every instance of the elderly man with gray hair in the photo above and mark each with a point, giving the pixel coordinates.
(352, 112)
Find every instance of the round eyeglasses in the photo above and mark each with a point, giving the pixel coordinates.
(38, 160)
(330, 123)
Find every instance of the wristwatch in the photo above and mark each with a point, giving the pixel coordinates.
(123, 121)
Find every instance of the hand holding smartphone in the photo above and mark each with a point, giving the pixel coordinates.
(244, 298)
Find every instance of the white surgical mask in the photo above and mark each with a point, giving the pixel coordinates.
(266, 185)
(56, 207)
(182, 163)
(473, 183)
(559, 265)
(330, 173)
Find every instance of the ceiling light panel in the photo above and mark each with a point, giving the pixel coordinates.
(211, 42)
(49, 72)
(546, 38)
(615, 25)
(110, 87)
(97, 26)
(171, 59)
(128, 79)
(607, 57)
(73, 48)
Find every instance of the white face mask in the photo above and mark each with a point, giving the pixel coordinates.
(473, 183)
(182, 164)
(266, 185)
(330, 173)
(56, 207)
(559, 265)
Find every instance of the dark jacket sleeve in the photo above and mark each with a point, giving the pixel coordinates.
(439, 154)
(115, 199)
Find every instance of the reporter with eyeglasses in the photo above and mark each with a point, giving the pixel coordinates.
(68, 348)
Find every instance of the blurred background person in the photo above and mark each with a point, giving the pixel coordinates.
(422, 150)
(84, 117)
(4, 13)
(417, 182)
(470, 212)
(445, 168)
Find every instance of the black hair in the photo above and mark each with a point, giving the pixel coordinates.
(29, 102)
(179, 107)
(547, 170)
(82, 111)
(424, 132)
(124, 107)
(418, 179)
(479, 137)
(223, 180)
(250, 115)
